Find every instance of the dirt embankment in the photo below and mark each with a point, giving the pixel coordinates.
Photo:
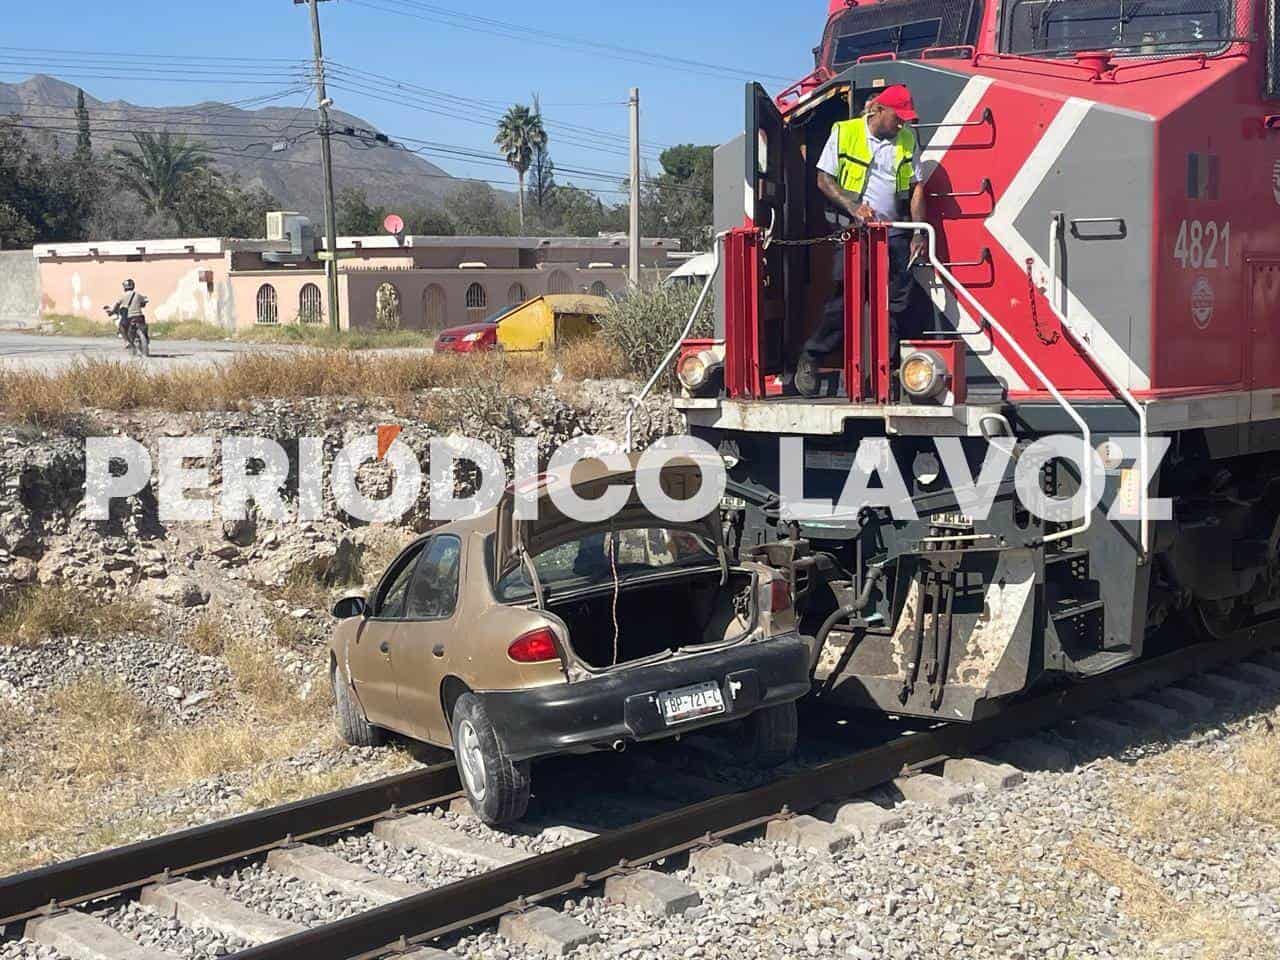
(154, 674)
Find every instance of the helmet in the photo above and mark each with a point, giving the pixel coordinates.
(128, 284)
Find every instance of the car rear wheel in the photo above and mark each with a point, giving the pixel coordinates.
(352, 723)
(497, 786)
(771, 735)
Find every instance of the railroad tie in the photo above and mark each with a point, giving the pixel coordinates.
(981, 772)
(1263, 676)
(933, 791)
(203, 907)
(419, 832)
(1034, 753)
(335, 875)
(79, 936)
(544, 929)
(734, 863)
(653, 893)
(808, 833)
(1187, 703)
(864, 819)
(1223, 689)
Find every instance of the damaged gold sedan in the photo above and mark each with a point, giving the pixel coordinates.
(509, 639)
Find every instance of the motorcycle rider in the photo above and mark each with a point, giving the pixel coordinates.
(128, 309)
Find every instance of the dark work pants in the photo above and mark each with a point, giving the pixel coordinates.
(908, 311)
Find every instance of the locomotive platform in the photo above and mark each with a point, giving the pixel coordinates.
(828, 416)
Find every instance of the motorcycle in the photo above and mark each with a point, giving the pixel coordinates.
(137, 339)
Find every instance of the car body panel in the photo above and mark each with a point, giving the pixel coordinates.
(432, 660)
(548, 323)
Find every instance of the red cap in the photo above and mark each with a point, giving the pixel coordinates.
(898, 99)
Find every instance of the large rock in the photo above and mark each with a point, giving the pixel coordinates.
(179, 591)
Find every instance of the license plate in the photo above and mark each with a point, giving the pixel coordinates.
(691, 703)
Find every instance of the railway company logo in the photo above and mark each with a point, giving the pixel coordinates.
(1203, 302)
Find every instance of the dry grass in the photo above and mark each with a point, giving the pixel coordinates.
(1211, 794)
(30, 616)
(207, 636)
(1214, 934)
(49, 398)
(265, 686)
(322, 337)
(68, 326)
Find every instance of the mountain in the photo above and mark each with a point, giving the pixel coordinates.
(241, 141)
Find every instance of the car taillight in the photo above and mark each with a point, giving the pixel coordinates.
(779, 595)
(537, 646)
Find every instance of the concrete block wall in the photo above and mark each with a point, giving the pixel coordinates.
(19, 289)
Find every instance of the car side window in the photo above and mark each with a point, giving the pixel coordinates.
(390, 602)
(433, 595)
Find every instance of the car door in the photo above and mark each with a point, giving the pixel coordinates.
(430, 635)
(373, 652)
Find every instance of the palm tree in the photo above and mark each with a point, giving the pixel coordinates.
(520, 136)
(160, 168)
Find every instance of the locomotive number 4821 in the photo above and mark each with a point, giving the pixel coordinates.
(1203, 245)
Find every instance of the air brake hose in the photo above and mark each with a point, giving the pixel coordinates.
(874, 575)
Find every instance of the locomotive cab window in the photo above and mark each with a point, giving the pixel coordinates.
(1273, 48)
(1150, 28)
(903, 29)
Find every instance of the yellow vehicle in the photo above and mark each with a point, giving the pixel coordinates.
(550, 322)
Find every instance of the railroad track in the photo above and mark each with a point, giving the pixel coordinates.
(513, 882)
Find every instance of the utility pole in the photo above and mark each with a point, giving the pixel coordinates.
(326, 154)
(635, 187)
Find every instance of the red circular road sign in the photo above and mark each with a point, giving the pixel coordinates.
(393, 224)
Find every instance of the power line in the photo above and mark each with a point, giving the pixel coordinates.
(512, 31)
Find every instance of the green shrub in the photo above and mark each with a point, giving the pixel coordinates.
(647, 322)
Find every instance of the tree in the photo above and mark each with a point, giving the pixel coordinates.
(543, 182)
(429, 222)
(43, 198)
(580, 213)
(357, 217)
(159, 170)
(84, 139)
(680, 201)
(476, 210)
(520, 133)
(212, 206)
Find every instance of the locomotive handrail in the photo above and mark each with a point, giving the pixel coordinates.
(986, 118)
(665, 365)
(1085, 433)
(982, 261)
(1060, 309)
(984, 188)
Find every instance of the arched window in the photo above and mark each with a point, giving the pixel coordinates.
(268, 306)
(435, 308)
(309, 308)
(388, 307)
(477, 303)
(559, 282)
(517, 295)
(598, 289)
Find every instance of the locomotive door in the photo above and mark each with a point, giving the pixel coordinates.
(1262, 345)
(766, 186)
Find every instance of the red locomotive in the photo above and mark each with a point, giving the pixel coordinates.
(1103, 181)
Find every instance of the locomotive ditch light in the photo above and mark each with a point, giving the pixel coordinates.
(924, 375)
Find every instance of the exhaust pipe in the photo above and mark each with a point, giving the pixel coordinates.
(619, 746)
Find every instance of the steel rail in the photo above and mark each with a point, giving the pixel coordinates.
(463, 904)
(98, 875)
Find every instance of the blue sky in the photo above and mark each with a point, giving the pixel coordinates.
(587, 89)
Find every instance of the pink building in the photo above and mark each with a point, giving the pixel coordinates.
(420, 283)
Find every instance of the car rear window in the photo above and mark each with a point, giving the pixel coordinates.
(591, 560)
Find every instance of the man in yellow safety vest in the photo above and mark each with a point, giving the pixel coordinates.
(870, 172)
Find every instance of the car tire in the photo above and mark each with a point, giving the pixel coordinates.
(771, 735)
(497, 786)
(352, 723)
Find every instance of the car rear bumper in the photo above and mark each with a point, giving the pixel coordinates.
(623, 706)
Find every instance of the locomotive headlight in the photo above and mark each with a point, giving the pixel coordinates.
(694, 371)
(696, 368)
(924, 375)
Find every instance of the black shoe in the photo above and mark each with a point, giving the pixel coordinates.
(806, 379)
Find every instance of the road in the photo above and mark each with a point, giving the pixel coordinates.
(48, 354)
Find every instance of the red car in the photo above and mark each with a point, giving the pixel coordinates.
(472, 337)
